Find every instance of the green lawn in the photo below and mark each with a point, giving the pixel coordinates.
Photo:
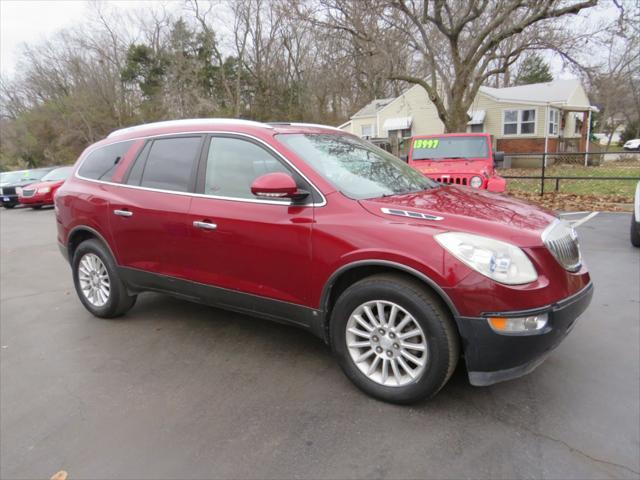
(591, 186)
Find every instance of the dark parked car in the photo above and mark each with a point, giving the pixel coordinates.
(307, 225)
(11, 182)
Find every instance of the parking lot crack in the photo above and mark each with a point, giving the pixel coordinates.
(34, 294)
(557, 440)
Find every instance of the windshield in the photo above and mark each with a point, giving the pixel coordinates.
(21, 176)
(438, 148)
(57, 174)
(356, 168)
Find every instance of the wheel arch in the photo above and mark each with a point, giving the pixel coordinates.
(79, 234)
(350, 273)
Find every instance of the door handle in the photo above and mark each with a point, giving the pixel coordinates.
(205, 225)
(123, 213)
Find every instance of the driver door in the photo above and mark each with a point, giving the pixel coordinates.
(243, 243)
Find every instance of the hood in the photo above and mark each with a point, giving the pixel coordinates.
(51, 184)
(474, 211)
(475, 166)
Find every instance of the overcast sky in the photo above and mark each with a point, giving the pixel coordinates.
(30, 21)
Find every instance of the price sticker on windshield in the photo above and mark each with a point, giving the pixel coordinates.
(426, 143)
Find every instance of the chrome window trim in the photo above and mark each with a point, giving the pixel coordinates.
(203, 195)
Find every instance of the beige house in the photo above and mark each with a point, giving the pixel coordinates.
(540, 117)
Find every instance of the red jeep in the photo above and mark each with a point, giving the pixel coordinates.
(458, 158)
(310, 226)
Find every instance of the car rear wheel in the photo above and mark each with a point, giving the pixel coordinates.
(394, 339)
(37, 207)
(97, 282)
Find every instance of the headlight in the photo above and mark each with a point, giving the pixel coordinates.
(476, 182)
(18, 190)
(500, 261)
(44, 190)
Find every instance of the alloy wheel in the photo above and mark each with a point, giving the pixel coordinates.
(94, 280)
(386, 343)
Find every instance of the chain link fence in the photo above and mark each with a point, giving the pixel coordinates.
(604, 175)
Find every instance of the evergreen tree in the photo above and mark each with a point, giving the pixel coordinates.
(533, 69)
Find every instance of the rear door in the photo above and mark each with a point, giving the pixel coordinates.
(240, 242)
(149, 216)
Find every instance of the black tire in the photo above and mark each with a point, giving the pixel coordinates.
(635, 231)
(434, 319)
(8, 205)
(37, 207)
(119, 301)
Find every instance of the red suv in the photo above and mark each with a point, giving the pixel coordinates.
(311, 226)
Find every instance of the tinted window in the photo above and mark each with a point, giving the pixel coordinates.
(102, 162)
(170, 163)
(233, 165)
(135, 173)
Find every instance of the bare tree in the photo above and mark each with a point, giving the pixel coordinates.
(457, 45)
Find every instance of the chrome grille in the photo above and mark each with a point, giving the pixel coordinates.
(8, 191)
(28, 193)
(562, 241)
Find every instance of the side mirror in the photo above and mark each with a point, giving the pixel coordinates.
(404, 157)
(277, 185)
(498, 159)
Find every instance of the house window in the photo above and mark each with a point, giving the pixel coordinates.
(366, 130)
(404, 133)
(519, 122)
(578, 125)
(554, 121)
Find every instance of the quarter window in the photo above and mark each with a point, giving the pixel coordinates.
(233, 164)
(519, 122)
(102, 162)
(170, 164)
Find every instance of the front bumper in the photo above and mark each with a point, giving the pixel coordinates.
(42, 199)
(492, 357)
(9, 199)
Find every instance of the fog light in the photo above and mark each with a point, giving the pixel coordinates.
(519, 325)
(476, 182)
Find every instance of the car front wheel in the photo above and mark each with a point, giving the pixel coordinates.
(394, 339)
(97, 282)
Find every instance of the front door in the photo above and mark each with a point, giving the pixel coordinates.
(246, 244)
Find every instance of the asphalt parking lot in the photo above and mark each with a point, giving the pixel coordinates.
(178, 390)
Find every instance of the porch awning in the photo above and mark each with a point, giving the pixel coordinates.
(477, 117)
(399, 123)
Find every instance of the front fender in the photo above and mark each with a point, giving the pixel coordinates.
(496, 184)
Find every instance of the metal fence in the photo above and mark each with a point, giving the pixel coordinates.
(580, 173)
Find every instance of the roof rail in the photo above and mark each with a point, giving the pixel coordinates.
(187, 122)
(314, 125)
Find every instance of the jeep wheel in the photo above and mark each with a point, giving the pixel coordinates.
(97, 282)
(394, 339)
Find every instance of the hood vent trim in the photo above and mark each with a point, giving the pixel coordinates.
(409, 214)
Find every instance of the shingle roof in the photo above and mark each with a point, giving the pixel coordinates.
(556, 91)
(371, 108)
